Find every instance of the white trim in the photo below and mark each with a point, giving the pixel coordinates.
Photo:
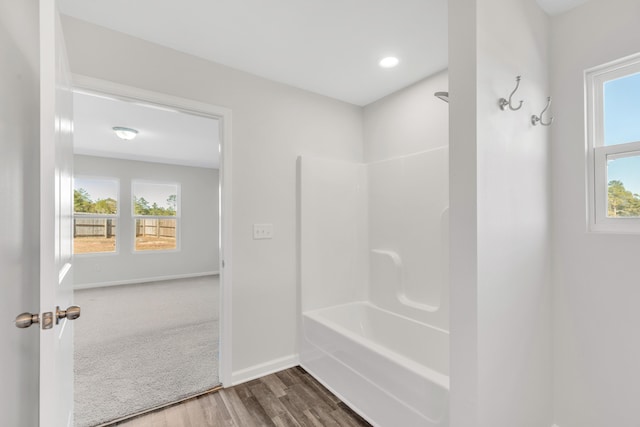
(266, 368)
(224, 115)
(597, 153)
(127, 93)
(143, 280)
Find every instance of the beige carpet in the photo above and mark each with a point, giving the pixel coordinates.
(140, 346)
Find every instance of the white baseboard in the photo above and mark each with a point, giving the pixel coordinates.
(143, 280)
(257, 371)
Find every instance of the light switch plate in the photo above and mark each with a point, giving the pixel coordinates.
(262, 231)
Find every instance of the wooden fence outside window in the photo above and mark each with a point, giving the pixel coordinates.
(94, 227)
(106, 227)
(156, 227)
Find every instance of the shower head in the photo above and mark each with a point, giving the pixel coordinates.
(443, 95)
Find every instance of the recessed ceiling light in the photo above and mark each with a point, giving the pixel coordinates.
(125, 133)
(389, 62)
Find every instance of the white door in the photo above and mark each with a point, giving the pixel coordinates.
(56, 204)
(19, 195)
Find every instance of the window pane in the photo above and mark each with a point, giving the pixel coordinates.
(155, 234)
(623, 177)
(155, 199)
(95, 195)
(621, 110)
(94, 235)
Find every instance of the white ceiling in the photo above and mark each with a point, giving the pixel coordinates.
(331, 47)
(165, 135)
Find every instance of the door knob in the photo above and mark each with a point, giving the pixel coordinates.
(25, 320)
(71, 313)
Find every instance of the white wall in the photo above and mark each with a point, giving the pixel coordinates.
(508, 293)
(197, 225)
(19, 218)
(596, 292)
(514, 292)
(272, 125)
(463, 169)
(408, 121)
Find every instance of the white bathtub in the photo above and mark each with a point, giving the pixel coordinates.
(390, 369)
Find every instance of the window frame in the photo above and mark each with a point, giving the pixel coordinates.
(157, 217)
(115, 216)
(598, 154)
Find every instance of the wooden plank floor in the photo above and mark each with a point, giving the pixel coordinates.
(287, 398)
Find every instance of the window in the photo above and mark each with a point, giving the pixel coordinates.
(156, 213)
(613, 111)
(95, 215)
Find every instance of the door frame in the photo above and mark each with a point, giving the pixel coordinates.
(134, 94)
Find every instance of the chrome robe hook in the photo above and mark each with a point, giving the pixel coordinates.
(503, 102)
(538, 119)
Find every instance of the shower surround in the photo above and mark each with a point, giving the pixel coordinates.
(374, 300)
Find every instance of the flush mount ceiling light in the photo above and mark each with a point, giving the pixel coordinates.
(389, 62)
(125, 133)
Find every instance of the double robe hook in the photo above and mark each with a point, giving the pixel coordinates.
(504, 103)
(538, 119)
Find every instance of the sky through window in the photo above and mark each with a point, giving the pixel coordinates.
(622, 125)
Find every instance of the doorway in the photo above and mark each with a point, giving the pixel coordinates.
(148, 255)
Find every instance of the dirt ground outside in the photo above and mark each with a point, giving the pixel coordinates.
(96, 244)
(152, 243)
